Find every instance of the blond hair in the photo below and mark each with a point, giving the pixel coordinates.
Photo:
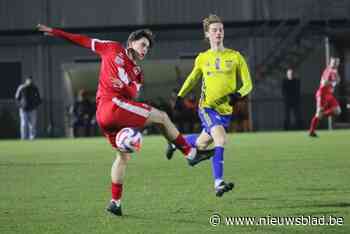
(211, 19)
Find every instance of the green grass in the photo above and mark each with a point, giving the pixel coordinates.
(62, 185)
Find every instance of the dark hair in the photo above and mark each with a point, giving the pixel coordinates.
(138, 34)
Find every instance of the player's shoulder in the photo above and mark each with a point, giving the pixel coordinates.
(232, 52)
(116, 45)
(108, 43)
(204, 55)
(200, 56)
(327, 72)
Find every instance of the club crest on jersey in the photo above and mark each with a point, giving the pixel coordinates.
(229, 63)
(137, 70)
(118, 60)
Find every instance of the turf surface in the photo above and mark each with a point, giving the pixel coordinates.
(62, 186)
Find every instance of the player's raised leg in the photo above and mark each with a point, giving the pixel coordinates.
(200, 141)
(332, 111)
(325, 108)
(172, 134)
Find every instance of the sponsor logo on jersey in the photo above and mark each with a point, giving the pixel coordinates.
(123, 76)
(118, 60)
(229, 63)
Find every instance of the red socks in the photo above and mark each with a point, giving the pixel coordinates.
(117, 190)
(315, 120)
(314, 123)
(182, 144)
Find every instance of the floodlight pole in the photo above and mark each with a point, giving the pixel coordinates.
(327, 54)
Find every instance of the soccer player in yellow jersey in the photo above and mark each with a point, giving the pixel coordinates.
(218, 67)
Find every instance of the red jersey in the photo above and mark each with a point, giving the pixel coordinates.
(119, 75)
(328, 81)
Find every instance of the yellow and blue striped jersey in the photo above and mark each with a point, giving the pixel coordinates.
(219, 71)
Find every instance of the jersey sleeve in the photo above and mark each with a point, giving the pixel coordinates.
(78, 39)
(102, 46)
(326, 75)
(192, 79)
(96, 45)
(245, 76)
(326, 78)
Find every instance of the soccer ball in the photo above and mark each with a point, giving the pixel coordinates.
(128, 140)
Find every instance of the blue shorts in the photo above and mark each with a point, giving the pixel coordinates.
(210, 118)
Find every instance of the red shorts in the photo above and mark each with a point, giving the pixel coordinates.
(326, 101)
(115, 114)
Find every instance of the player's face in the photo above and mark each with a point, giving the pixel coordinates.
(215, 33)
(28, 81)
(141, 46)
(334, 62)
(337, 62)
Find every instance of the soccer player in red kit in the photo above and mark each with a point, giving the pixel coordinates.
(326, 103)
(120, 81)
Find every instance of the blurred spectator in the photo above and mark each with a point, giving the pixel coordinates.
(291, 98)
(179, 77)
(240, 116)
(190, 113)
(28, 99)
(83, 115)
(176, 116)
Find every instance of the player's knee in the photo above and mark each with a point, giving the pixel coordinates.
(164, 117)
(123, 158)
(158, 117)
(220, 141)
(202, 145)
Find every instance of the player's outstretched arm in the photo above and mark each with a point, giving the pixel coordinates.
(75, 38)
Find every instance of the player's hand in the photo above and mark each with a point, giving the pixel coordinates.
(231, 98)
(178, 103)
(234, 98)
(45, 29)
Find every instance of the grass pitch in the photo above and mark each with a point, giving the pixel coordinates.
(62, 186)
